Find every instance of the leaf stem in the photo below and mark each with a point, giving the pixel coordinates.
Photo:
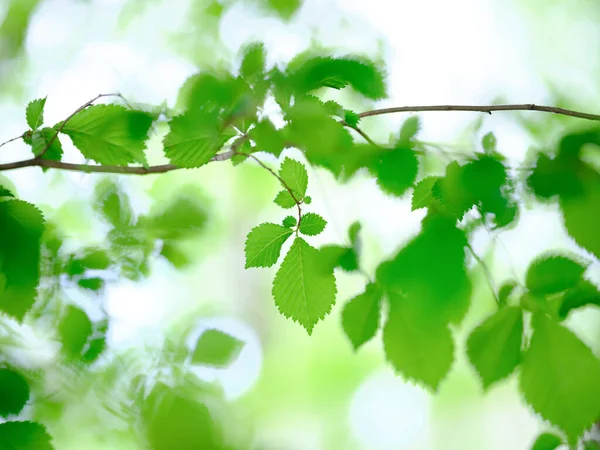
(486, 272)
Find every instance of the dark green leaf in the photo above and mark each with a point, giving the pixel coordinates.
(74, 330)
(285, 199)
(5, 192)
(21, 228)
(92, 284)
(24, 436)
(216, 348)
(582, 294)
(494, 347)
(109, 134)
(559, 378)
(360, 316)
(547, 441)
(94, 350)
(351, 118)
(263, 244)
(304, 289)
(591, 445)
(312, 224)
(35, 113)
(14, 392)
(397, 170)
(553, 273)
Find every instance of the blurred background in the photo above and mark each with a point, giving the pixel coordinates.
(286, 390)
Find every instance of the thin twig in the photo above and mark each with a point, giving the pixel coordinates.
(485, 109)
(285, 185)
(11, 140)
(364, 135)
(73, 114)
(486, 272)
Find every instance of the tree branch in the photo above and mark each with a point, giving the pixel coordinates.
(486, 109)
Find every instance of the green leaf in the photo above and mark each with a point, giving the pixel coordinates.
(317, 72)
(353, 231)
(351, 118)
(182, 217)
(74, 330)
(409, 129)
(92, 284)
(284, 8)
(216, 348)
(396, 170)
(307, 200)
(40, 139)
(303, 289)
(422, 194)
(253, 61)
(451, 192)
(95, 348)
(488, 142)
(505, 290)
(582, 294)
(312, 224)
(175, 254)
(289, 221)
(25, 435)
(553, 273)
(21, 228)
(430, 271)
(14, 392)
(5, 192)
(109, 134)
(547, 441)
(494, 347)
(267, 138)
(420, 348)
(333, 256)
(360, 316)
(113, 204)
(194, 138)
(285, 199)
(559, 378)
(295, 177)
(35, 113)
(263, 244)
(591, 445)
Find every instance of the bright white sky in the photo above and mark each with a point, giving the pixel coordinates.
(438, 52)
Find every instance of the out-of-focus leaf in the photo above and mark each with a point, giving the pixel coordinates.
(74, 330)
(216, 348)
(14, 393)
(24, 436)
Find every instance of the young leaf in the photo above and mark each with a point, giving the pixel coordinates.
(547, 441)
(488, 142)
(554, 273)
(307, 200)
(423, 194)
(285, 199)
(195, 137)
(14, 392)
(267, 138)
(351, 118)
(21, 228)
(109, 134)
(559, 378)
(216, 348)
(24, 435)
(396, 171)
(289, 221)
(295, 176)
(360, 316)
(35, 113)
(74, 330)
(494, 347)
(40, 139)
(312, 224)
(409, 130)
(263, 244)
(253, 61)
(408, 336)
(303, 289)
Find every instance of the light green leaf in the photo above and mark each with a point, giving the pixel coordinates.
(422, 194)
(35, 113)
(420, 348)
(289, 221)
(113, 203)
(267, 138)
(307, 200)
(24, 435)
(559, 378)
(360, 316)
(194, 138)
(409, 130)
(488, 142)
(351, 118)
(216, 348)
(505, 290)
(109, 134)
(553, 273)
(182, 217)
(303, 289)
(253, 61)
(396, 170)
(295, 176)
(494, 347)
(284, 8)
(582, 294)
(14, 392)
(285, 199)
(591, 445)
(546, 441)
(312, 224)
(74, 330)
(21, 228)
(263, 244)
(353, 231)
(92, 283)
(40, 139)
